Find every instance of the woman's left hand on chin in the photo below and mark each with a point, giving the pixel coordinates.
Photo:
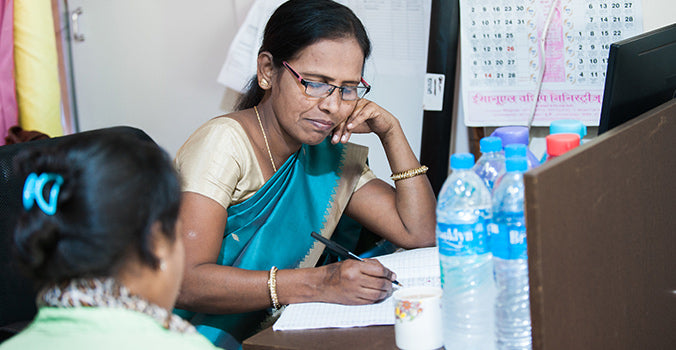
(367, 117)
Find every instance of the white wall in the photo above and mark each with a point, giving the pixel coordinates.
(658, 13)
(153, 64)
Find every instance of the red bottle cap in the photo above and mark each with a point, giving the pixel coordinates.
(558, 144)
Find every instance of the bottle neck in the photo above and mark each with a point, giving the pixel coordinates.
(492, 154)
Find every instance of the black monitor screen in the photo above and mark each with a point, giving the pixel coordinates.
(641, 75)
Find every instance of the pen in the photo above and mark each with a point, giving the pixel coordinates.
(341, 251)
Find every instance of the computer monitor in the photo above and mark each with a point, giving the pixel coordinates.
(641, 75)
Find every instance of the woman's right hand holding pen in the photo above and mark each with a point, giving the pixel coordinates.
(353, 282)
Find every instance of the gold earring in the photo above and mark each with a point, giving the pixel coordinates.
(264, 84)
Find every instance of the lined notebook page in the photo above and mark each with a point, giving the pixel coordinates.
(416, 267)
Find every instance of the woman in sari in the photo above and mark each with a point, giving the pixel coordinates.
(258, 181)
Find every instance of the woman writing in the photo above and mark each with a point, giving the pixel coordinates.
(99, 235)
(258, 181)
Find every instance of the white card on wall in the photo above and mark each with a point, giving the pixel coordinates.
(433, 98)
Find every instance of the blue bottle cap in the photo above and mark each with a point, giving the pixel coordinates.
(568, 126)
(516, 164)
(515, 150)
(462, 161)
(490, 144)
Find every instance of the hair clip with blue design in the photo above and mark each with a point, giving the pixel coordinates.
(33, 191)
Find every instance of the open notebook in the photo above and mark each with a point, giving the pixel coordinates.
(416, 267)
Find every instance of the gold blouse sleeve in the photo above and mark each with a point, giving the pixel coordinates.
(217, 161)
(366, 176)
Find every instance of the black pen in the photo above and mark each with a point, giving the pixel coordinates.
(341, 251)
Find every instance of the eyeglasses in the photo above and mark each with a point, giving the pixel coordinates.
(321, 90)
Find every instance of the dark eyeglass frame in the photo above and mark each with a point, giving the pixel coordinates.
(315, 84)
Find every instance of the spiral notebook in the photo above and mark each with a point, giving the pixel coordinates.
(416, 267)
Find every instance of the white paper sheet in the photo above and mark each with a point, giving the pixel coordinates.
(417, 267)
(395, 30)
(240, 64)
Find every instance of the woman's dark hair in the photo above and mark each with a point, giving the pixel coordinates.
(297, 24)
(116, 186)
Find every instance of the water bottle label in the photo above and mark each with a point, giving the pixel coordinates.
(508, 241)
(492, 232)
(462, 239)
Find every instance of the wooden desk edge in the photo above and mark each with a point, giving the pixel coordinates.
(373, 337)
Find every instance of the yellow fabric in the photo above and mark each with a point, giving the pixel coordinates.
(218, 161)
(37, 74)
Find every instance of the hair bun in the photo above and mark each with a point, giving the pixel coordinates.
(36, 247)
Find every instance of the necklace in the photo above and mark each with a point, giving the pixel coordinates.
(265, 137)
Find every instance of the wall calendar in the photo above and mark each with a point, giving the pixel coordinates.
(500, 55)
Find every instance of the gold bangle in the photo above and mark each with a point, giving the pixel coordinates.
(409, 173)
(272, 286)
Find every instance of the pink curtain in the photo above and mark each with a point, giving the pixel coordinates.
(8, 106)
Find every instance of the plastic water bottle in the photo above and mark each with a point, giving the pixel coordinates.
(463, 212)
(558, 144)
(515, 150)
(508, 244)
(516, 134)
(566, 126)
(511, 151)
(491, 164)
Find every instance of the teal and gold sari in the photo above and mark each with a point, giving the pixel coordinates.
(272, 228)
